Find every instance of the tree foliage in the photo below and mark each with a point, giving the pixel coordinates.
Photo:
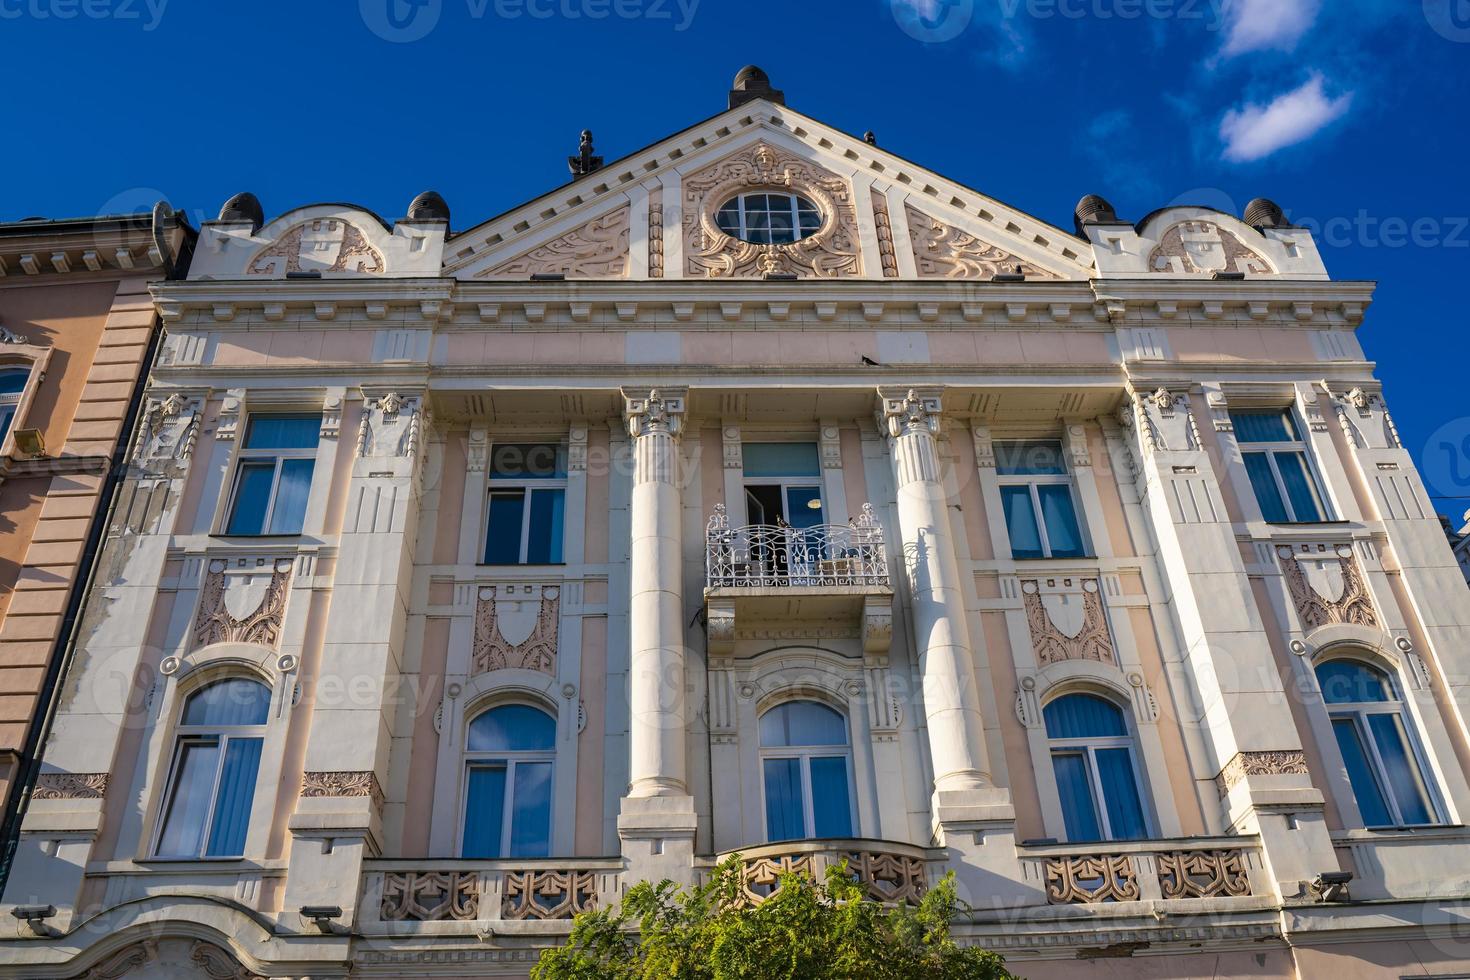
(807, 930)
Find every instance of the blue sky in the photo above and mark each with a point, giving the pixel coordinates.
(1350, 113)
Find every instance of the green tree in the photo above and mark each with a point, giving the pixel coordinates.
(808, 929)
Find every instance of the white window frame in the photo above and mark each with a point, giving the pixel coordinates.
(1032, 481)
(806, 753)
(792, 196)
(528, 485)
(510, 760)
(247, 456)
(1270, 449)
(1357, 712)
(199, 734)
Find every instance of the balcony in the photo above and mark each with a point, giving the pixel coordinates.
(1115, 872)
(888, 871)
(781, 578)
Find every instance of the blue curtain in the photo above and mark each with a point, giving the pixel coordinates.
(236, 794)
(530, 822)
(1299, 489)
(784, 818)
(1258, 468)
(1272, 426)
(1083, 716)
(1060, 515)
(545, 532)
(188, 808)
(228, 704)
(802, 723)
(484, 810)
(512, 728)
(1120, 794)
(291, 494)
(1021, 522)
(1403, 769)
(831, 797)
(503, 528)
(1360, 774)
(252, 498)
(283, 432)
(1078, 809)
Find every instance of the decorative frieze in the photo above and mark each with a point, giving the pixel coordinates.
(1327, 587)
(596, 250)
(168, 432)
(1290, 762)
(1203, 247)
(656, 235)
(430, 896)
(322, 245)
(324, 785)
(244, 605)
(1067, 622)
(1091, 878)
(70, 786)
(945, 252)
(548, 895)
(884, 225)
(1203, 874)
(517, 626)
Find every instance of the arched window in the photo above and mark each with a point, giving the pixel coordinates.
(1373, 734)
(1092, 755)
(212, 783)
(510, 752)
(12, 385)
(807, 769)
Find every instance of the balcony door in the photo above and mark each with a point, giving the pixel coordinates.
(783, 498)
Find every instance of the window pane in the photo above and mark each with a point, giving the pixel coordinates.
(484, 811)
(283, 432)
(291, 493)
(784, 818)
(7, 413)
(1258, 467)
(1060, 514)
(781, 459)
(1404, 778)
(798, 723)
(530, 824)
(13, 382)
(512, 728)
(1029, 457)
(1078, 809)
(229, 703)
(236, 794)
(1272, 426)
(252, 498)
(545, 533)
(1300, 489)
(188, 808)
(528, 461)
(831, 797)
(804, 506)
(1120, 794)
(1360, 773)
(503, 529)
(1351, 682)
(1021, 522)
(1083, 716)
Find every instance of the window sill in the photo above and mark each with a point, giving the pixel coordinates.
(221, 536)
(1054, 560)
(1302, 524)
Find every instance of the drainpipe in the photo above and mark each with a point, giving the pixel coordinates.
(18, 800)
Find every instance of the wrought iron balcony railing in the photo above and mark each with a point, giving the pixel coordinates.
(781, 556)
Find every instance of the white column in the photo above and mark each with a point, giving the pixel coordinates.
(951, 705)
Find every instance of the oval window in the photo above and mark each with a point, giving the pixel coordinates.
(769, 219)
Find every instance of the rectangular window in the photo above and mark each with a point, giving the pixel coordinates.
(209, 803)
(1036, 498)
(1276, 461)
(12, 385)
(273, 478)
(526, 523)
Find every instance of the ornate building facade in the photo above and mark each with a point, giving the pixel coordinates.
(759, 493)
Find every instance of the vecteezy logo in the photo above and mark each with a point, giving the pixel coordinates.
(400, 21)
(1449, 18)
(1446, 459)
(933, 21)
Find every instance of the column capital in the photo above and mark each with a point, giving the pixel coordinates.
(654, 410)
(906, 411)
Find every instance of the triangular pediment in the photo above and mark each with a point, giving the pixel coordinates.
(651, 215)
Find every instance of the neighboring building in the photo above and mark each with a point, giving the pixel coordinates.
(759, 492)
(1459, 543)
(77, 330)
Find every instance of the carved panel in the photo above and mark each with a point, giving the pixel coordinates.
(832, 251)
(945, 252)
(168, 432)
(597, 250)
(392, 425)
(884, 225)
(244, 605)
(321, 785)
(218, 964)
(1329, 589)
(656, 235)
(320, 245)
(70, 786)
(888, 877)
(1089, 879)
(1203, 874)
(1291, 762)
(516, 626)
(548, 895)
(760, 878)
(1203, 247)
(1081, 634)
(430, 896)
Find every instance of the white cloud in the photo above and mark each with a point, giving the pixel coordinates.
(1256, 25)
(1255, 131)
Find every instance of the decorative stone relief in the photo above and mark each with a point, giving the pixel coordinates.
(884, 224)
(171, 957)
(1290, 762)
(660, 412)
(243, 605)
(8, 336)
(944, 252)
(1203, 247)
(732, 448)
(218, 964)
(548, 895)
(720, 625)
(516, 626)
(1356, 411)
(392, 425)
(984, 447)
(1089, 879)
(320, 245)
(227, 424)
(1067, 621)
(169, 430)
(577, 437)
(1165, 421)
(70, 786)
(656, 235)
(1203, 874)
(430, 896)
(831, 447)
(1327, 587)
(832, 251)
(323, 785)
(597, 250)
